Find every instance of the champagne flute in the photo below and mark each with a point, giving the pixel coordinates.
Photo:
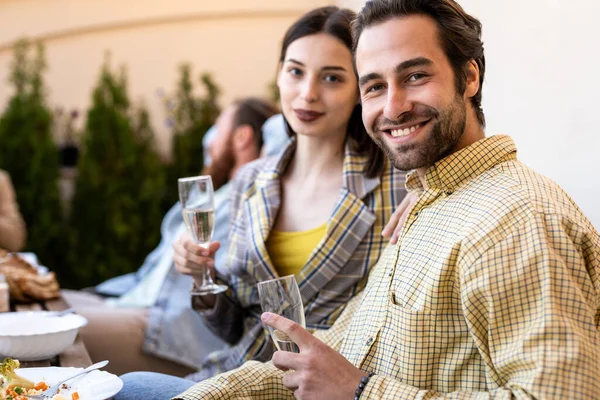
(196, 195)
(281, 296)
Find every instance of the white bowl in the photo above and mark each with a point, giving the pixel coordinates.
(37, 335)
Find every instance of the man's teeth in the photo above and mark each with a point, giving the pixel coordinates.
(405, 131)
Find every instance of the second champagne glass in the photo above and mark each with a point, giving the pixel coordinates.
(196, 195)
(281, 296)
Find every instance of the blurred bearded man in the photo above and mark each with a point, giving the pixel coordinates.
(493, 290)
(148, 323)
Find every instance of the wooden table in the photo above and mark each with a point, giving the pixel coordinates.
(75, 356)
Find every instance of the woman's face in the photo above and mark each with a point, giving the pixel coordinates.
(317, 85)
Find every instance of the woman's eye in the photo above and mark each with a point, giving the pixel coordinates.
(332, 78)
(295, 71)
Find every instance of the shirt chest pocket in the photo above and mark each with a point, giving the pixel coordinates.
(425, 315)
(411, 333)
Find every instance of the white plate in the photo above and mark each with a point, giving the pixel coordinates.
(95, 385)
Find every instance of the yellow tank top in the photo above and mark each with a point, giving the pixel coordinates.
(289, 251)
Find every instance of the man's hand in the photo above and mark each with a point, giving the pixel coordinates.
(319, 372)
(393, 229)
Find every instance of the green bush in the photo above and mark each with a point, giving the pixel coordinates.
(151, 176)
(190, 117)
(29, 154)
(115, 214)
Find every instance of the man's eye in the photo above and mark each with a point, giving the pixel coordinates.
(374, 88)
(416, 77)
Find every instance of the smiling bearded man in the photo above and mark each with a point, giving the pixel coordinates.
(493, 290)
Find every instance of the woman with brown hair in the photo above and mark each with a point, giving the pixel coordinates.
(316, 211)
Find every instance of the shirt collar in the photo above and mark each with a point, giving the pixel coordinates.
(454, 170)
(353, 177)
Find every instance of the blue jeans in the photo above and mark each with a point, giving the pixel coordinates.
(151, 386)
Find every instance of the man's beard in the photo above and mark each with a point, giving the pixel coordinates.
(220, 169)
(443, 138)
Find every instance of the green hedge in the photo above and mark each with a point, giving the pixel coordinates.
(115, 214)
(191, 116)
(122, 189)
(29, 154)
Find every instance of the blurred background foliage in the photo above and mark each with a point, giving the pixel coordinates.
(28, 152)
(190, 116)
(122, 187)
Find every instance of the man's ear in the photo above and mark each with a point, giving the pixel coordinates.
(472, 83)
(243, 136)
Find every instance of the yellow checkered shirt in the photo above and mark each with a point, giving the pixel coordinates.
(493, 291)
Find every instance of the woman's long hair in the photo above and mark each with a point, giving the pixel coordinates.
(336, 22)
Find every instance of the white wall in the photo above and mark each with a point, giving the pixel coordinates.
(236, 40)
(542, 87)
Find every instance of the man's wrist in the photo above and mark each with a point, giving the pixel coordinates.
(361, 386)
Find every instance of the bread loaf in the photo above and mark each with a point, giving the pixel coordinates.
(24, 282)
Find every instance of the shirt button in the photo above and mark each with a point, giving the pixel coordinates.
(369, 341)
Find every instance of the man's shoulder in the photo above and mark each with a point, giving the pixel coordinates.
(513, 191)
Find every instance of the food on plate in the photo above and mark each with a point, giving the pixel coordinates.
(24, 282)
(10, 378)
(15, 387)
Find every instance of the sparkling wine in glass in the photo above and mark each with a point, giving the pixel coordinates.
(196, 195)
(282, 296)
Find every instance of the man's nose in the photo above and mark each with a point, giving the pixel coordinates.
(397, 103)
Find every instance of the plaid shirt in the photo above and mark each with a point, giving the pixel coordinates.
(334, 272)
(493, 291)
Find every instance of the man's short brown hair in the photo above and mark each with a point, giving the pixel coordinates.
(459, 33)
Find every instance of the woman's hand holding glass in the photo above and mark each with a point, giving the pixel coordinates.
(196, 196)
(193, 259)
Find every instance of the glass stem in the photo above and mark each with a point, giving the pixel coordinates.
(207, 281)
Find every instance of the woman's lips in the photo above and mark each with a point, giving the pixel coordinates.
(307, 115)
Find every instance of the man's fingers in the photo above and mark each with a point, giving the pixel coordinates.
(286, 360)
(298, 334)
(291, 381)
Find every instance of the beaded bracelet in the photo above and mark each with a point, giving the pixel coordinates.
(361, 386)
